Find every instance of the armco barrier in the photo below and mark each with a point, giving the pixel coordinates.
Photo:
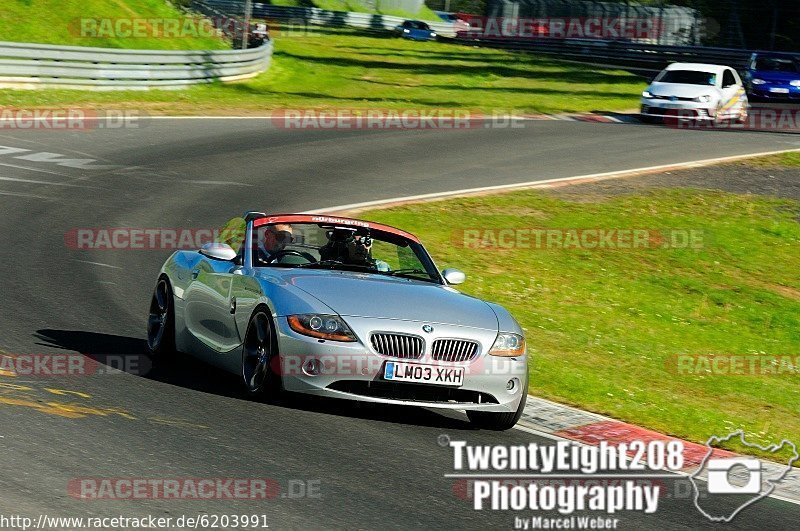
(25, 65)
(315, 16)
(634, 55)
(645, 57)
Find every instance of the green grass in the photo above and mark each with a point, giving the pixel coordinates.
(785, 160)
(345, 69)
(603, 324)
(59, 22)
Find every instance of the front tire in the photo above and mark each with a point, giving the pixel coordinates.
(498, 421)
(259, 354)
(719, 120)
(742, 118)
(161, 321)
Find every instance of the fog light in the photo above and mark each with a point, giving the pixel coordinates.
(512, 385)
(311, 367)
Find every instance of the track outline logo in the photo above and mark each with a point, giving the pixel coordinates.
(773, 483)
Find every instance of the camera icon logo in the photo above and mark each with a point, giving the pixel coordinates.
(739, 475)
(722, 475)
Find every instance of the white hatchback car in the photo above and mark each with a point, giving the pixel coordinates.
(697, 92)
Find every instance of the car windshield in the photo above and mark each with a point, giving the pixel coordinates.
(777, 64)
(416, 24)
(688, 77)
(323, 246)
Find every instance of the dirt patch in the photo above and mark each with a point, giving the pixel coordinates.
(740, 178)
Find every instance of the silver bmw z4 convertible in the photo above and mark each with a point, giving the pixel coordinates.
(340, 308)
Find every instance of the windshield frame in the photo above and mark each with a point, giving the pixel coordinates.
(382, 233)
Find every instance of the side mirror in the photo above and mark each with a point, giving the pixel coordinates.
(454, 276)
(218, 251)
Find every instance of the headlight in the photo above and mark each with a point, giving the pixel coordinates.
(406, 31)
(647, 94)
(321, 326)
(508, 345)
(795, 83)
(705, 98)
(757, 81)
(433, 34)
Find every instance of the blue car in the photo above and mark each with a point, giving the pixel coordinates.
(416, 30)
(773, 77)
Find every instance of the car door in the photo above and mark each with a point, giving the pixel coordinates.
(731, 85)
(209, 315)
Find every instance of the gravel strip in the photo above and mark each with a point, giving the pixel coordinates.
(738, 177)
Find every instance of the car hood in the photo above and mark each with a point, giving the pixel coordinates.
(381, 297)
(770, 76)
(681, 90)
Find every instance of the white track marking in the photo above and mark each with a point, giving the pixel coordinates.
(48, 157)
(218, 183)
(48, 183)
(96, 263)
(27, 168)
(545, 182)
(32, 196)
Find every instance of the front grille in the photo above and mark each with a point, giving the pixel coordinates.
(413, 392)
(677, 98)
(454, 350)
(401, 346)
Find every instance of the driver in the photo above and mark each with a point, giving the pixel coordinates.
(272, 240)
(348, 247)
(359, 250)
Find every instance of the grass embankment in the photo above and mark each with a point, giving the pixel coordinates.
(332, 68)
(104, 24)
(604, 327)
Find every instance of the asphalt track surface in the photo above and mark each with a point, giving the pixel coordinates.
(376, 467)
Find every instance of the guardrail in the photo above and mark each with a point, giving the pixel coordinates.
(646, 57)
(24, 65)
(315, 16)
(619, 53)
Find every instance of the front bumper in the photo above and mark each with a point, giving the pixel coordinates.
(418, 36)
(354, 371)
(775, 92)
(681, 110)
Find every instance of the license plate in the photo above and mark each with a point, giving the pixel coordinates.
(424, 374)
(777, 90)
(672, 106)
